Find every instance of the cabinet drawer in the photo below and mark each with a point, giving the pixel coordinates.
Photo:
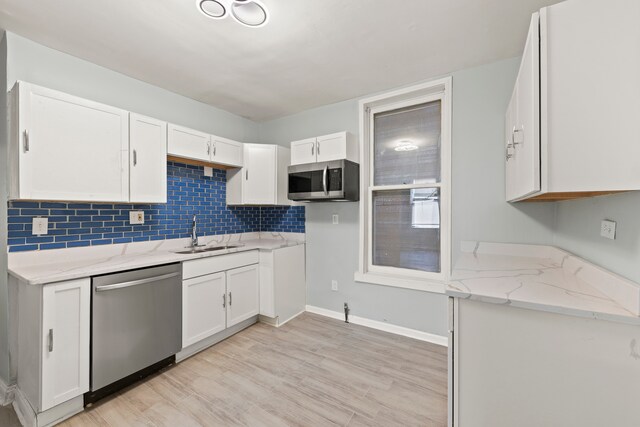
(200, 267)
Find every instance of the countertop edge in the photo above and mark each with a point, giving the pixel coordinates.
(165, 257)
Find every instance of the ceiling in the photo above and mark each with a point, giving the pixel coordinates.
(311, 53)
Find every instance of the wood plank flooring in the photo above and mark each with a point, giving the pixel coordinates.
(314, 371)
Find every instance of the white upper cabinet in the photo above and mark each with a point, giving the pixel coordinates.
(337, 146)
(195, 145)
(226, 151)
(188, 143)
(303, 151)
(523, 122)
(147, 159)
(577, 103)
(67, 148)
(263, 178)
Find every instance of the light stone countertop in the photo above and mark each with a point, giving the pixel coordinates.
(56, 265)
(543, 278)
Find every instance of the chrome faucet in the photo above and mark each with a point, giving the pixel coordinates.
(194, 234)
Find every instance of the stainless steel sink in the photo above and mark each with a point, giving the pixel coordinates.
(207, 249)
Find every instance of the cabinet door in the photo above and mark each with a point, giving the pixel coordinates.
(226, 152)
(332, 147)
(188, 143)
(65, 341)
(303, 151)
(71, 148)
(259, 180)
(148, 160)
(203, 307)
(526, 132)
(243, 294)
(511, 176)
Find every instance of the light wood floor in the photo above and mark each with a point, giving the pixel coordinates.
(314, 371)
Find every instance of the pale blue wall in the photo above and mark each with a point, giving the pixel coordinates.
(479, 211)
(34, 63)
(578, 231)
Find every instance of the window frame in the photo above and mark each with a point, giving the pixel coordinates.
(395, 276)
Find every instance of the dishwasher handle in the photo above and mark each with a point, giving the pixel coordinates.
(135, 282)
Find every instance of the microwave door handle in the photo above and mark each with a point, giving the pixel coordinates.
(324, 179)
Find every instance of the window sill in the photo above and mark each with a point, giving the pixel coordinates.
(426, 285)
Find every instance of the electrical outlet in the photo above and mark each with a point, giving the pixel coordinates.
(335, 218)
(208, 172)
(136, 217)
(40, 226)
(608, 229)
(334, 285)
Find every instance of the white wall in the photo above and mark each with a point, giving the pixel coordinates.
(479, 211)
(34, 63)
(4, 304)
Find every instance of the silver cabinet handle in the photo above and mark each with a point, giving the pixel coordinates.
(50, 340)
(318, 148)
(313, 147)
(26, 140)
(135, 157)
(246, 175)
(224, 300)
(215, 148)
(324, 179)
(230, 299)
(208, 148)
(513, 136)
(135, 282)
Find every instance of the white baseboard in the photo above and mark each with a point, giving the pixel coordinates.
(382, 326)
(6, 393)
(25, 413)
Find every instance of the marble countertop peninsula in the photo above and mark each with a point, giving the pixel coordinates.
(56, 265)
(542, 278)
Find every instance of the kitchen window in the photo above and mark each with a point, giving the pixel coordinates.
(405, 192)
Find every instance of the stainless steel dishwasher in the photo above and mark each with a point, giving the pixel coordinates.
(136, 326)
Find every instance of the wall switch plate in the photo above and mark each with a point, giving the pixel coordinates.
(608, 229)
(334, 285)
(136, 217)
(40, 226)
(335, 218)
(208, 172)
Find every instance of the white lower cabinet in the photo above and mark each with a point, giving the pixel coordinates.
(282, 283)
(204, 307)
(218, 293)
(243, 290)
(54, 347)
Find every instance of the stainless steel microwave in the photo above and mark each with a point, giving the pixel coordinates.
(338, 180)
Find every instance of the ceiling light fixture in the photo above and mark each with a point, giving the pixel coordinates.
(406, 145)
(251, 13)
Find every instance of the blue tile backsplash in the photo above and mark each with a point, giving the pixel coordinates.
(188, 192)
